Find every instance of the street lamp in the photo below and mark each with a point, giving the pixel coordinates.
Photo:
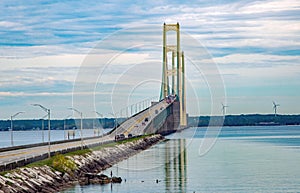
(48, 113)
(12, 127)
(80, 113)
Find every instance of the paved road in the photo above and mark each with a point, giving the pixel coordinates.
(134, 125)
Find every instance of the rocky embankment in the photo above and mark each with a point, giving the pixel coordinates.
(71, 169)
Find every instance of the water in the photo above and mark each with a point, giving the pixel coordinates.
(244, 159)
(36, 136)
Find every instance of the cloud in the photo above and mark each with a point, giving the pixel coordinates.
(217, 25)
(257, 60)
(25, 94)
(44, 43)
(49, 94)
(8, 24)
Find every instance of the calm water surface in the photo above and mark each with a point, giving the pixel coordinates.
(244, 159)
(38, 136)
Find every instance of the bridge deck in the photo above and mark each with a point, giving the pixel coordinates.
(134, 125)
(137, 124)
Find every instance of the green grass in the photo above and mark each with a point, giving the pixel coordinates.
(49, 161)
(133, 139)
(97, 148)
(78, 152)
(112, 144)
(3, 173)
(58, 162)
(44, 162)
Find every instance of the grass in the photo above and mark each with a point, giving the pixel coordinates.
(3, 173)
(44, 162)
(49, 161)
(58, 162)
(78, 152)
(97, 148)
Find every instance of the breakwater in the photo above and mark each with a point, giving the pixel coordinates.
(64, 171)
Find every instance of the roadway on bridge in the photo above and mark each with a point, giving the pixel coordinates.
(134, 125)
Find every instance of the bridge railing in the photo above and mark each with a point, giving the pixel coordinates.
(134, 115)
(137, 107)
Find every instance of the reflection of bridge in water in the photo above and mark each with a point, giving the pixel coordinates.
(164, 116)
(176, 167)
(162, 168)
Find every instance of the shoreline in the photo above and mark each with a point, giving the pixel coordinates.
(67, 170)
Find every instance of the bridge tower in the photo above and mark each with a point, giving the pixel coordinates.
(174, 72)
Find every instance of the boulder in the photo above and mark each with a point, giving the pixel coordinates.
(116, 179)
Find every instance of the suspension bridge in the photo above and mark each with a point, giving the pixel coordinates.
(164, 116)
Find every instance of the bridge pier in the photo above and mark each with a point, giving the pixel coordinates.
(172, 123)
(166, 121)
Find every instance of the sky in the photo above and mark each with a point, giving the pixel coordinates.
(105, 56)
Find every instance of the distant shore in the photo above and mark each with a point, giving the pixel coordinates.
(193, 121)
(246, 120)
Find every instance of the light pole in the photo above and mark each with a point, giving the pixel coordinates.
(12, 127)
(48, 113)
(80, 113)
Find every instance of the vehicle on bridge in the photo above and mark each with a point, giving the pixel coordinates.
(119, 137)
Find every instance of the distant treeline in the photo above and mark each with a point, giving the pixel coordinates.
(36, 124)
(229, 120)
(248, 120)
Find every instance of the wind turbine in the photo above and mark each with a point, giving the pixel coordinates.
(275, 108)
(224, 108)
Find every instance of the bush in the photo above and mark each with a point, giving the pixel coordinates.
(63, 164)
